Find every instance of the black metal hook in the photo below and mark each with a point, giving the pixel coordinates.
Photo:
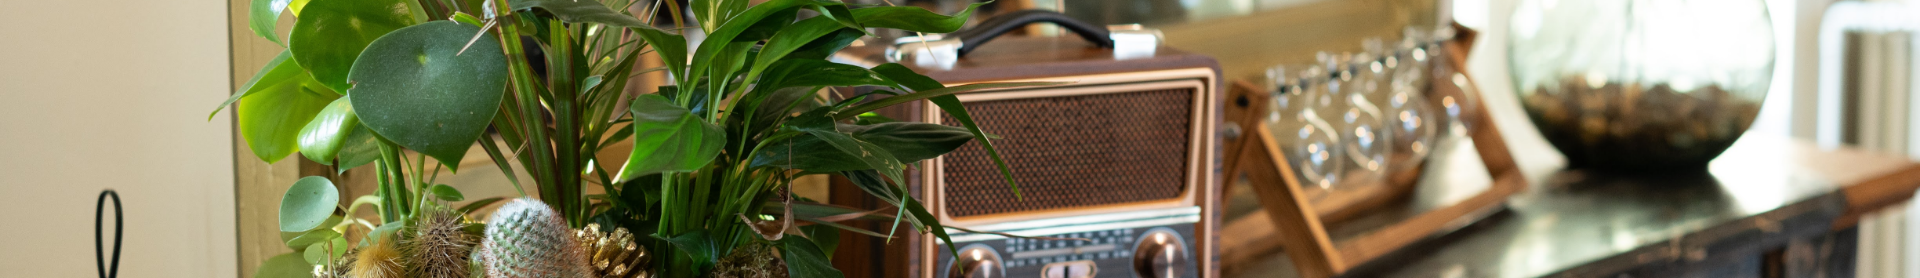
(118, 225)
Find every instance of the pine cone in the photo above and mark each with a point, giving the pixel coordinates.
(527, 239)
(613, 255)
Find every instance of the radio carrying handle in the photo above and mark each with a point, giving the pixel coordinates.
(1001, 24)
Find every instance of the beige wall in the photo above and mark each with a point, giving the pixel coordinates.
(115, 94)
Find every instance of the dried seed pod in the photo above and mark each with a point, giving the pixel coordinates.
(613, 254)
(527, 239)
(378, 260)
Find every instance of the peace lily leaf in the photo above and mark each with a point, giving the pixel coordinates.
(289, 265)
(330, 35)
(359, 149)
(279, 70)
(916, 213)
(907, 142)
(911, 142)
(671, 48)
(790, 39)
(668, 138)
(322, 252)
(873, 156)
(925, 87)
(711, 13)
(415, 88)
(736, 25)
(322, 138)
(263, 14)
(575, 11)
(307, 204)
(697, 246)
(912, 18)
(804, 259)
(825, 46)
(311, 237)
(823, 236)
(447, 193)
(817, 72)
(767, 26)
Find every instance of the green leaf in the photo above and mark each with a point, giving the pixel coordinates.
(698, 247)
(873, 156)
(383, 231)
(789, 39)
(308, 238)
(823, 236)
(416, 88)
(262, 15)
(912, 18)
(289, 265)
(330, 35)
(916, 212)
(322, 252)
(576, 11)
(274, 105)
(668, 138)
(949, 104)
(359, 149)
(671, 48)
(714, 43)
(768, 26)
(907, 142)
(323, 137)
(275, 71)
(816, 72)
(307, 204)
(912, 142)
(804, 259)
(447, 193)
(825, 46)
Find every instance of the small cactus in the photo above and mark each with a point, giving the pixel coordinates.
(527, 239)
(440, 246)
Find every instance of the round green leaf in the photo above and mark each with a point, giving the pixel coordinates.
(311, 237)
(318, 253)
(383, 231)
(307, 204)
(330, 34)
(322, 138)
(418, 89)
(289, 265)
(447, 193)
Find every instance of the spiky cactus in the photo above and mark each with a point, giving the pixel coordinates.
(527, 239)
(613, 254)
(440, 245)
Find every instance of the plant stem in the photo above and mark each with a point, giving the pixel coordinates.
(560, 74)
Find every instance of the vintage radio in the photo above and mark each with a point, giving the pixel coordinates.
(1123, 160)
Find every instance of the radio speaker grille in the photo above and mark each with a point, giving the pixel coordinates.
(1074, 151)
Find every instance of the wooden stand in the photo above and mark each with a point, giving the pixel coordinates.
(1293, 223)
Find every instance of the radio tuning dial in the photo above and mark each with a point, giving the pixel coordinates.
(977, 262)
(1159, 254)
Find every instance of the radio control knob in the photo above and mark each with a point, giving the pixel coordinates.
(977, 262)
(1159, 255)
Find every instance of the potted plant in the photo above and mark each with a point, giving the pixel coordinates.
(395, 84)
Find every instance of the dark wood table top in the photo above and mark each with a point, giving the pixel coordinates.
(1760, 194)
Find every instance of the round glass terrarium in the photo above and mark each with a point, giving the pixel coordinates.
(1641, 85)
